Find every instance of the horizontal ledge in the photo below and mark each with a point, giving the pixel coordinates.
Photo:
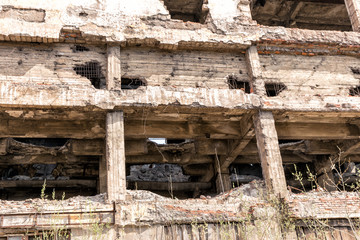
(13, 94)
(167, 186)
(49, 183)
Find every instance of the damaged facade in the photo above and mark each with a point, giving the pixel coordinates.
(185, 100)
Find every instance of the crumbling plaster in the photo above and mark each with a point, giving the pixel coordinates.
(231, 23)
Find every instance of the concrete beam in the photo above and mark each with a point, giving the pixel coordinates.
(353, 8)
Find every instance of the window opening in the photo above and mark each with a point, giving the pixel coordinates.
(355, 91)
(132, 83)
(274, 89)
(234, 83)
(92, 71)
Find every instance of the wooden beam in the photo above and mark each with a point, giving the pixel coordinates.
(162, 129)
(248, 134)
(113, 78)
(95, 147)
(323, 21)
(44, 159)
(286, 159)
(3, 146)
(317, 131)
(269, 153)
(51, 129)
(115, 156)
(295, 8)
(311, 147)
(167, 186)
(144, 130)
(169, 158)
(347, 150)
(208, 146)
(49, 183)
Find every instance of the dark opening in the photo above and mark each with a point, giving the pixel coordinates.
(274, 89)
(45, 142)
(314, 15)
(355, 70)
(78, 48)
(83, 14)
(234, 83)
(92, 71)
(187, 11)
(164, 179)
(132, 83)
(244, 173)
(176, 141)
(355, 91)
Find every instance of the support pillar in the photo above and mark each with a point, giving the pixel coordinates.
(115, 156)
(254, 67)
(269, 153)
(353, 8)
(223, 183)
(113, 78)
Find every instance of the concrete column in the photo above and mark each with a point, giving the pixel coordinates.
(254, 67)
(113, 78)
(115, 156)
(353, 8)
(269, 153)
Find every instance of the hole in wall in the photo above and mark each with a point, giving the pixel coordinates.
(355, 70)
(79, 48)
(187, 11)
(132, 83)
(274, 89)
(355, 91)
(92, 71)
(83, 14)
(235, 83)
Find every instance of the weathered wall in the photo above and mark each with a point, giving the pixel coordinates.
(311, 75)
(51, 63)
(183, 68)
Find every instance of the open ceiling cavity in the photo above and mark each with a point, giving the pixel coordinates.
(306, 14)
(187, 10)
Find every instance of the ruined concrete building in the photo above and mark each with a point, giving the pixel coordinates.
(179, 119)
